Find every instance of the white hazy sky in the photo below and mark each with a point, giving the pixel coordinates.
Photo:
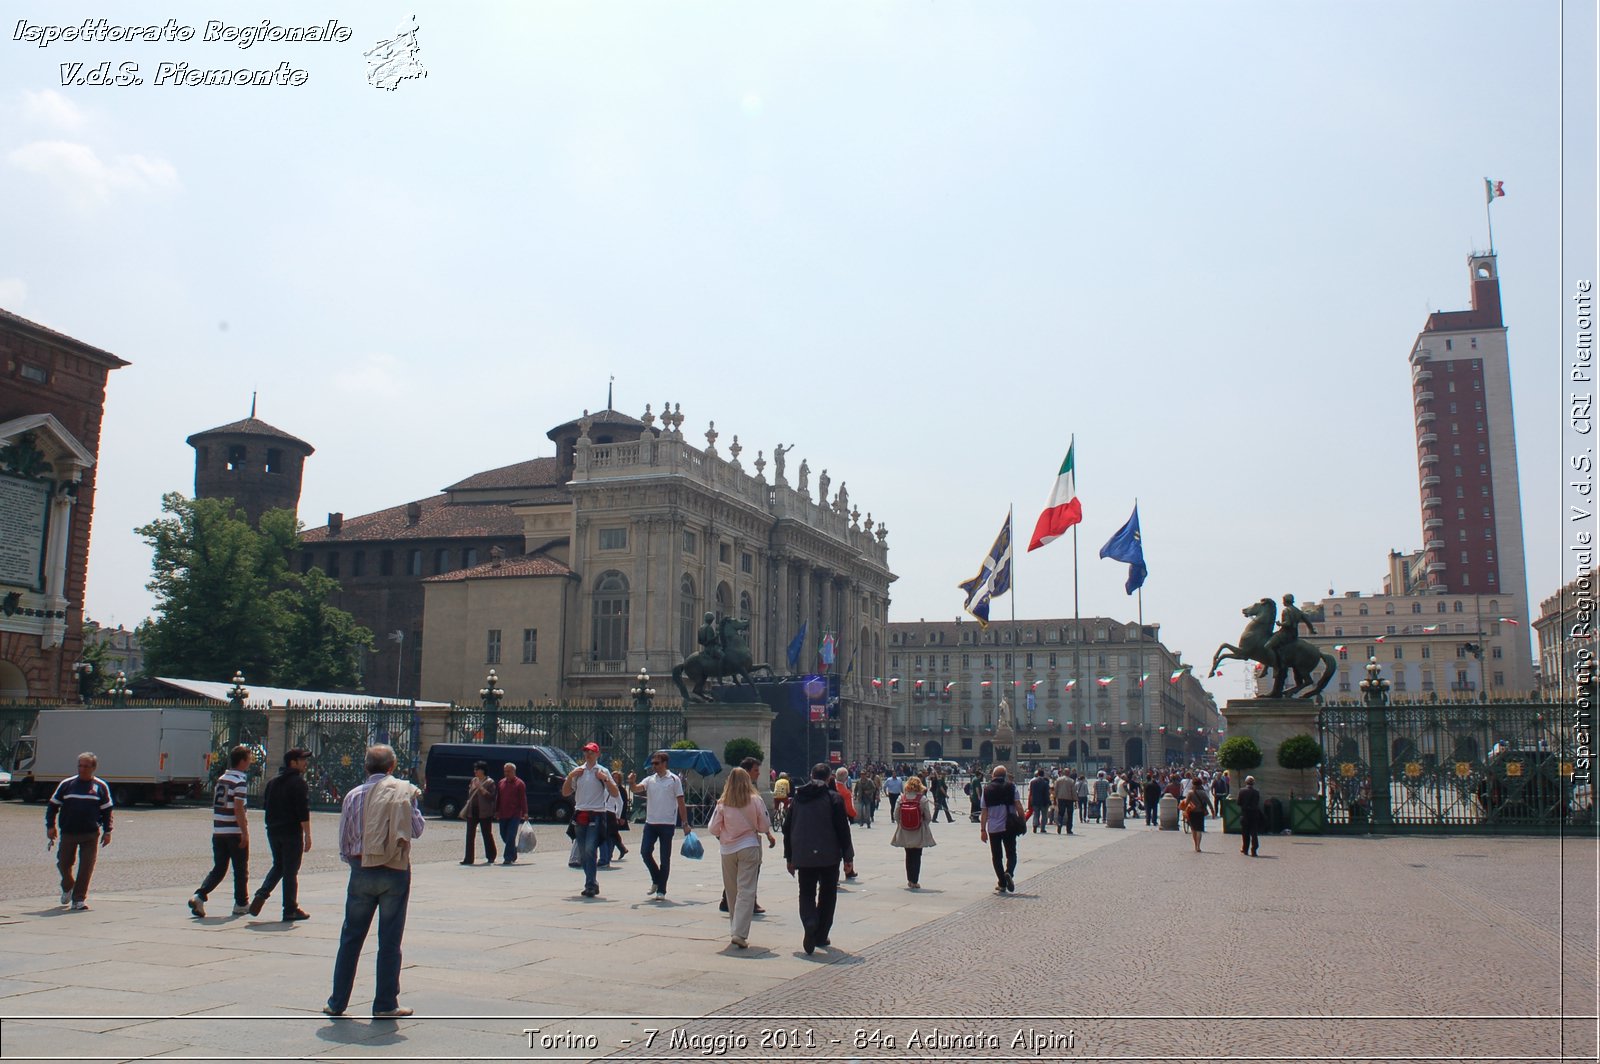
(925, 241)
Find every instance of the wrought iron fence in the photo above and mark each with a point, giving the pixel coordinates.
(338, 738)
(232, 727)
(1466, 767)
(624, 734)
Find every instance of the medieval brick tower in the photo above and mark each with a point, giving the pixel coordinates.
(256, 465)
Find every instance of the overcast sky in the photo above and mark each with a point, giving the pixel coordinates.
(926, 242)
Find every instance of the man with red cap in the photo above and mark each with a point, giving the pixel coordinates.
(588, 786)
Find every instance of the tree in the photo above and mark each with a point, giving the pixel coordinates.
(1300, 752)
(1239, 754)
(226, 600)
(739, 749)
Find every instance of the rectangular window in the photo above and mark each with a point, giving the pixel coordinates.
(613, 539)
(358, 563)
(386, 563)
(469, 557)
(725, 553)
(441, 560)
(530, 646)
(414, 563)
(36, 374)
(235, 459)
(691, 542)
(333, 564)
(1494, 652)
(274, 460)
(1399, 653)
(492, 655)
(747, 562)
(1427, 652)
(1499, 679)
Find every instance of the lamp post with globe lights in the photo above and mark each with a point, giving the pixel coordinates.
(491, 694)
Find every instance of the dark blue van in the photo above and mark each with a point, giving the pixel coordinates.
(543, 768)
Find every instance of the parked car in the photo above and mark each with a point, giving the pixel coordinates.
(542, 768)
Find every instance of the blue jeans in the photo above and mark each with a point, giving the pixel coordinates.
(386, 892)
(589, 836)
(508, 838)
(658, 873)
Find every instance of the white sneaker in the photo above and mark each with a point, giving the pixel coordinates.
(197, 905)
(241, 910)
(66, 897)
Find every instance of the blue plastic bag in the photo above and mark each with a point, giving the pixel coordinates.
(691, 847)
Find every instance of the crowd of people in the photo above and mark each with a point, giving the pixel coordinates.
(380, 818)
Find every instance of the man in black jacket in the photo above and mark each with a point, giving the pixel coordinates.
(816, 838)
(1251, 818)
(288, 816)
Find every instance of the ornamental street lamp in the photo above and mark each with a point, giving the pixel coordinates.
(491, 694)
(119, 690)
(236, 700)
(1375, 689)
(643, 697)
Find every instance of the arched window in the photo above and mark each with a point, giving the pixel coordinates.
(724, 600)
(745, 607)
(611, 617)
(688, 617)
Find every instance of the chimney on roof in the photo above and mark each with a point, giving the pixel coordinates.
(497, 553)
(335, 524)
(413, 513)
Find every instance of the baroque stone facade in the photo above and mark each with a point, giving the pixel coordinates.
(569, 574)
(52, 399)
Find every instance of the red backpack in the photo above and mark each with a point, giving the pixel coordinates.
(911, 812)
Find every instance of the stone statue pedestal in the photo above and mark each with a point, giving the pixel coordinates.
(712, 724)
(1269, 721)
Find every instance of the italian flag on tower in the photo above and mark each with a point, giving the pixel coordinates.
(1063, 510)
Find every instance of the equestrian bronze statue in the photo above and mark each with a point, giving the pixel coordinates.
(730, 657)
(1282, 651)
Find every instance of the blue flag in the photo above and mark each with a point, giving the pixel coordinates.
(994, 576)
(1126, 546)
(796, 645)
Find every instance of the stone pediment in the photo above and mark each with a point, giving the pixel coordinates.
(51, 437)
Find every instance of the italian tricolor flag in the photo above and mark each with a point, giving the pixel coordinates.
(1063, 510)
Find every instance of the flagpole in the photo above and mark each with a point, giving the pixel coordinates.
(1015, 643)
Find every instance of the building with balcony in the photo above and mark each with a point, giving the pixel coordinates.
(1566, 634)
(1094, 692)
(568, 574)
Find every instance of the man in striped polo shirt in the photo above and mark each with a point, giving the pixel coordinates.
(230, 834)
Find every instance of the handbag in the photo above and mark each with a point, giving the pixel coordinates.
(691, 848)
(527, 841)
(1016, 823)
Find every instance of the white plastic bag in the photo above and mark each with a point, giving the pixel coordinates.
(527, 841)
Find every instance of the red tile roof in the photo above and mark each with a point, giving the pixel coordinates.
(78, 346)
(535, 473)
(251, 427)
(438, 519)
(526, 565)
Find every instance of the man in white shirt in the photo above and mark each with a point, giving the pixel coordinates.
(589, 786)
(664, 812)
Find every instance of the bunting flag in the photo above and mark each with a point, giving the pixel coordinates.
(1380, 639)
(796, 645)
(1338, 648)
(1036, 684)
(1143, 678)
(1511, 621)
(1104, 681)
(1493, 190)
(985, 683)
(1071, 683)
(949, 685)
(993, 579)
(1063, 510)
(1127, 546)
(877, 681)
(1431, 628)
(920, 683)
(1177, 674)
(894, 681)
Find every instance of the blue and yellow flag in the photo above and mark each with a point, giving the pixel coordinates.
(993, 579)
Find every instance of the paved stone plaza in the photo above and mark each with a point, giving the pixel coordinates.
(1118, 945)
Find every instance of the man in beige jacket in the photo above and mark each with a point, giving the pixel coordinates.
(378, 822)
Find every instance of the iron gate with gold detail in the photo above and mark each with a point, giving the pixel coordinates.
(338, 737)
(1451, 767)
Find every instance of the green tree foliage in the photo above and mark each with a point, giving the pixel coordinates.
(1239, 754)
(739, 749)
(226, 600)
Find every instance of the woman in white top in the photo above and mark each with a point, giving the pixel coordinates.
(738, 823)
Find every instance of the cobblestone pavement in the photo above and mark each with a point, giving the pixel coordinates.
(1119, 945)
(1341, 949)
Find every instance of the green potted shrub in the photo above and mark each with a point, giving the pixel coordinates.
(739, 749)
(1307, 816)
(685, 744)
(1238, 755)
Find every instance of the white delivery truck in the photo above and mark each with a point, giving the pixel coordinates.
(152, 755)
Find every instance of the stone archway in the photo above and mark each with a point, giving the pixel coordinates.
(986, 751)
(13, 684)
(933, 750)
(1133, 752)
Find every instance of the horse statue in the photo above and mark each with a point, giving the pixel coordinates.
(1298, 655)
(734, 661)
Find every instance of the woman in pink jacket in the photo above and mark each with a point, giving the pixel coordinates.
(738, 823)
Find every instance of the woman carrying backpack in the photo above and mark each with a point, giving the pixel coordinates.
(913, 828)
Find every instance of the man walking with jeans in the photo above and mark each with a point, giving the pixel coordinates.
(376, 825)
(588, 786)
(664, 811)
(511, 809)
(230, 834)
(287, 811)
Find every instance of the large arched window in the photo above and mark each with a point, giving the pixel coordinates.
(745, 606)
(688, 617)
(611, 616)
(724, 600)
